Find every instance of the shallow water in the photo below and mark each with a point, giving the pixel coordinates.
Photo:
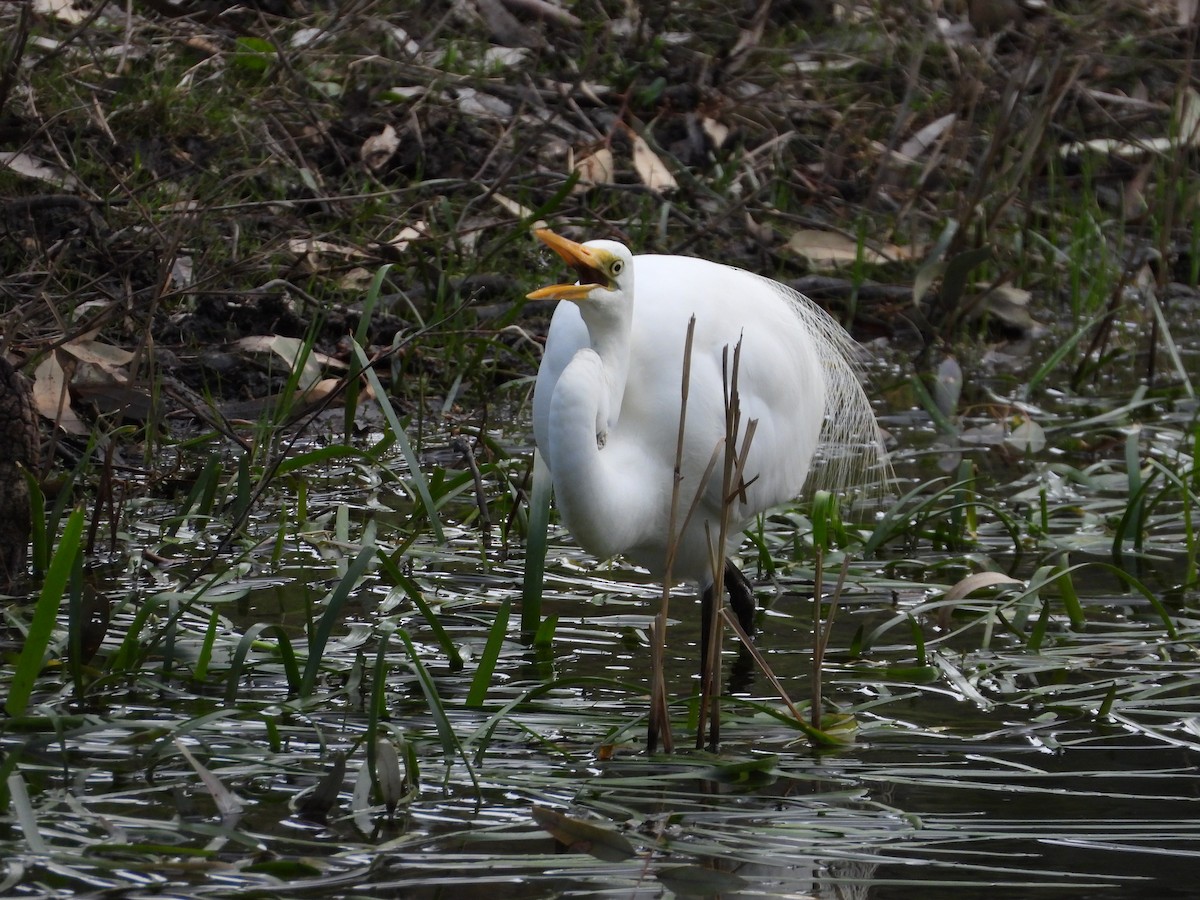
(1007, 755)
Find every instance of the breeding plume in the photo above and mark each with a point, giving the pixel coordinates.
(607, 404)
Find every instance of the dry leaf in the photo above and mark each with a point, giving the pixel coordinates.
(653, 172)
(477, 103)
(1187, 120)
(596, 168)
(182, 272)
(290, 350)
(716, 131)
(916, 146)
(104, 356)
(202, 45)
(408, 234)
(32, 167)
(51, 397)
(833, 249)
(1188, 116)
(63, 10)
(1027, 437)
(318, 392)
(312, 247)
(379, 148)
(1011, 306)
(978, 580)
(357, 279)
(512, 206)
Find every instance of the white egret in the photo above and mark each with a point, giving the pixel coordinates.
(607, 402)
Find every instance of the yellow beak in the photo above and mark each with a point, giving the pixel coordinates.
(578, 257)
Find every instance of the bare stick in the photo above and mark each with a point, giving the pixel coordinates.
(761, 662)
(660, 720)
(731, 474)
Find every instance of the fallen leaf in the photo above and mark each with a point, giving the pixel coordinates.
(976, 581)
(291, 350)
(478, 103)
(357, 279)
(1011, 306)
(63, 10)
(105, 356)
(832, 248)
(313, 247)
(32, 167)
(320, 391)
(51, 397)
(379, 148)
(652, 170)
(716, 131)
(924, 138)
(1027, 437)
(182, 272)
(408, 234)
(228, 803)
(595, 168)
(512, 206)
(1188, 116)
(584, 837)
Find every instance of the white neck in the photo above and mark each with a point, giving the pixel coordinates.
(593, 488)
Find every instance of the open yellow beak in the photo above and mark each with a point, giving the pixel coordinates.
(578, 257)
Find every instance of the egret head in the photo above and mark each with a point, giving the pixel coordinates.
(605, 269)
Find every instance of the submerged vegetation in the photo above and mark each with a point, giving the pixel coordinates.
(294, 621)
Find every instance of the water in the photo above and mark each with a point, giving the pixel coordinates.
(1005, 753)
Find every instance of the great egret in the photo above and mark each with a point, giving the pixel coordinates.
(607, 401)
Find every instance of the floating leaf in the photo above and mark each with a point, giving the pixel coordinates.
(977, 581)
(227, 802)
(947, 386)
(584, 837)
(388, 776)
(1028, 437)
(699, 881)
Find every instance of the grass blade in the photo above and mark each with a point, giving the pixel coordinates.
(414, 464)
(331, 617)
(535, 549)
(413, 590)
(45, 615)
(491, 653)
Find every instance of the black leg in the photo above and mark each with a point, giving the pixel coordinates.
(741, 596)
(706, 614)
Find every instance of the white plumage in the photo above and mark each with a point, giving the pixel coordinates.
(607, 399)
